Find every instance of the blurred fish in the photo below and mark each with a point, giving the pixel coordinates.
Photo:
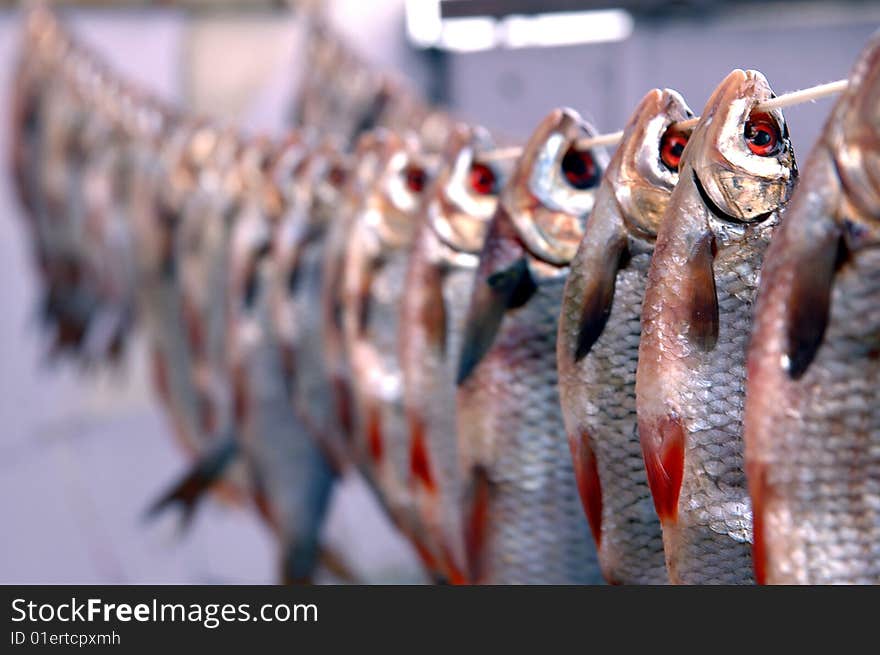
(371, 154)
(202, 255)
(524, 523)
(301, 243)
(812, 418)
(162, 179)
(736, 172)
(455, 217)
(598, 341)
(292, 477)
(382, 232)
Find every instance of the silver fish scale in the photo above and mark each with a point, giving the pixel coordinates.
(382, 333)
(714, 516)
(537, 530)
(602, 401)
(430, 374)
(312, 392)
(290, 467)
(828, 460)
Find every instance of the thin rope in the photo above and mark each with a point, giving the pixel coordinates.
(810, 94)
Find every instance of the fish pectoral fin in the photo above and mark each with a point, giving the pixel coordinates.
(509, 288)
(702, 298)
(419, 459)
(809, 303)
(432, 314)
(599, 295)
(477, 496)
(663, 448)
(191, 488)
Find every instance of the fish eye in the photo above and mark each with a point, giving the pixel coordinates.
(415, 179)
(671, 147)
(762, 135)
(580, 168)
(482, 179)
(336, 176)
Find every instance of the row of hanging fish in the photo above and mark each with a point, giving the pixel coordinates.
(563, 367)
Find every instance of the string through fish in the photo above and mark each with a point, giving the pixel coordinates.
(801, 96)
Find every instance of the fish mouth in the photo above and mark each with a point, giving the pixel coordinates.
(718, 212)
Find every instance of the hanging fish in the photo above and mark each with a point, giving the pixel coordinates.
(301, 243)
(292, 477)
(736, 173)
(382, 233)
(524, 523)
(455, 218)
(370, 157)
(161, 182)
(598, 341)
(812, 418)
(202, 257)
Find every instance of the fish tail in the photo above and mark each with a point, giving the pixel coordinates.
(191, 488)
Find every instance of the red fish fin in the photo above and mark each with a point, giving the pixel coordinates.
(419, 461)
(477, 521)
(454, 574)
(809, 302)
(432, 566)
(589, 485)
(336, 564)
(160, 377)
(663, 445)
(342, 395)
(703, 299)
(239, 394)
(195, 333)
(758, 490)
(433, 310)
(506, 289)
(599, 296)
(375, 444)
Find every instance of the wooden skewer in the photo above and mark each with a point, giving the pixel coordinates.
(613, 138)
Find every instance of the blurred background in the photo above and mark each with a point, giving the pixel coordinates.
(82, 454)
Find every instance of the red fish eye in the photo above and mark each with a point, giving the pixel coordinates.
(671, 146)
(337, 176)
(482, 179)
(762, 135)
(415, 179)
(580, 168)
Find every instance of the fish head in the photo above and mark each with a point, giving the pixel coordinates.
(644, 170)
(552, 188)
(289, 161)
(397, 190)
(853, 134)
(741, 158)
(463, 197)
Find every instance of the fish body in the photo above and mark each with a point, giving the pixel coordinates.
(382, 232)
(737, 170)
(598, 342)
(812, 416)
(523, 520)
(454, 220)
(292, 477)
(161, 181)
(300, 247)
(371, 155)
(202, 254)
